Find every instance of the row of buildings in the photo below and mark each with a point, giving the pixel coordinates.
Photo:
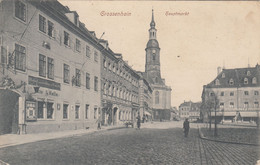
(55, 74)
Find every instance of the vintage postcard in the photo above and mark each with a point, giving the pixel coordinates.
(129, 82)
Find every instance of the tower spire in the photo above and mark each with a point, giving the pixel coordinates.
(152, 24)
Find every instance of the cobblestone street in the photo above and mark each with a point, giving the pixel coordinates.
(161, 144)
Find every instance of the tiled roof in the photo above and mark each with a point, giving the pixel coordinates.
(238, 75)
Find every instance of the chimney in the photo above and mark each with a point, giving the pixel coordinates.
(219, 70)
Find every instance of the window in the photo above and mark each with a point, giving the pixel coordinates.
(104, 63)
(222, 94)
(246, 105)
(3, 54)
(96, 84)
(248, 73)
(66, 73)
(50, 110)
(50, 68)
(87, 51)
(256, 93)
(246, 92)
(256, 104)
(42, 23)
(65, 111)
(231, 82)
(231, 104)
(20, 57)
(78, 46)
(87, 81)
(41, 106)
(50, 29)
(77, 78)
(45, 110)
(245, 80)
(217, 82)
(157, 94)
(153, 57)
(95, 113)
(231, 93)
(96, 56)
(66, 38)
(221, 105)
(77, 112)
(20, 10)
(254, 81)
(211, 94)
(86, 111)
(223, 75)
(42, 65)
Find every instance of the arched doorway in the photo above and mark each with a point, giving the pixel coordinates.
(9, 106)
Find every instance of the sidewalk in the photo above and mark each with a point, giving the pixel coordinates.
(14, 139)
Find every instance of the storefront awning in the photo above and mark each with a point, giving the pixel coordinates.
(249, 114)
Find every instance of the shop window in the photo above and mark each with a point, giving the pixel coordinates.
(50, 111)
(77, 112)
(41, 107)
(20, 10)
(20, 57)
(66, 74)
(65, 111)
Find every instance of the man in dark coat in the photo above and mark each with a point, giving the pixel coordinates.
(186, 127)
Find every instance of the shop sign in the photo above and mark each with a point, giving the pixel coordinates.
(43, 83)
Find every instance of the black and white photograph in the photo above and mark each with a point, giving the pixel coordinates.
(129, 82)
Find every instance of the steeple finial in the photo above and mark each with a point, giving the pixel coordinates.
(152, 24)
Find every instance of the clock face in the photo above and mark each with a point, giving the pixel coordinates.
(154, 44)
(153, 51)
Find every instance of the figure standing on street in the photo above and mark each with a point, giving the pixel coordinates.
(186, 127)
(138, 121)
(99, 122)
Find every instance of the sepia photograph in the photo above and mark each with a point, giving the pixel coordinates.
(129, 82)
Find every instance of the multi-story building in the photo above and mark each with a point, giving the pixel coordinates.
(233, 94)
(50, 68)
(161, 97)
(145, 99)
(120, 89)
(190, 110)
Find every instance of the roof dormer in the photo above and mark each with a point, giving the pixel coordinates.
(73, 17)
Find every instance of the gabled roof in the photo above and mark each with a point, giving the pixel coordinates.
(238, 76)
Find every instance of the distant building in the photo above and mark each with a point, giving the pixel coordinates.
(161, 96)
(190, 110)
(120, 89)
(236, 94)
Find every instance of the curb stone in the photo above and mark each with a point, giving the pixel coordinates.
(201, 135)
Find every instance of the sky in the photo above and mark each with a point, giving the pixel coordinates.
(193, 44)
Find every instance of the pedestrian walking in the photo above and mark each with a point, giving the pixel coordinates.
(138, 121)
(99, 122)
(186, 127)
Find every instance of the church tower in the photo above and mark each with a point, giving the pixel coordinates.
(152, 65)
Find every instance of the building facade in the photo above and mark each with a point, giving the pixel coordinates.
(50, 69)
(190, 110)
(145, 99)
(235, 94)
(120, 89)
(161, 96)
